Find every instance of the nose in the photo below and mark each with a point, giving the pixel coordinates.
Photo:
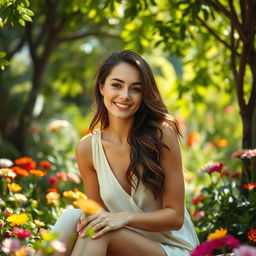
(125, 94)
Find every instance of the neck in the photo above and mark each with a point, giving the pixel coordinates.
(118, 130)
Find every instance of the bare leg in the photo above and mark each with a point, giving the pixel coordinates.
(66, 228)
(122, 242)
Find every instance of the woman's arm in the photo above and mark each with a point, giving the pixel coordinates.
(87, 171)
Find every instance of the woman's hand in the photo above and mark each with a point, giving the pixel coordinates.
(102, 223)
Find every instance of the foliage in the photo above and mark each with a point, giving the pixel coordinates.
(220, 204)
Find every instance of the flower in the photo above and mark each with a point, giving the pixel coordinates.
(244, 153)
(210, 168)
(69, 194)
(250, 186)
(39, 223)
(245, 250)
(8, 212)
(18, 219)
(252, 235)
(207, 248)
(39, 173)
(45, 164)
(199, 215)
(219, 233)
(7, 173)
(52, 190)
(1, 224)
(5, 163)
(58, 246)
(193, 139)
(10, 245)
(57, 124)
(20, 171)
(87, 205)
(235, 175)
(20, 198)
(14, 187)
(21, 233)
(74, 177)
(53, 180)
(220, 143)
(26, 163)
(85, 131)
(197, 199)
(62, 176)
(52, 197)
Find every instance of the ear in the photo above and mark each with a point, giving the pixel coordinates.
(102, 89)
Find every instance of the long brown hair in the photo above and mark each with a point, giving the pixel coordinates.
(146, 134)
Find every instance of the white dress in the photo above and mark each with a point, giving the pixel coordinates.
(116, 199)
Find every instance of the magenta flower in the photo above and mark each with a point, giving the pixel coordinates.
(245, 250)
(207, 248)
(212, 168)
(10, 245)
(199, 215)
(21, 233)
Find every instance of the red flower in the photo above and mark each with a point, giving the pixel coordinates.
(21, 233)
(45, 164)
(235, 175)
(252, 235)
(197, 199)
(20, 171)
(53, 180)
(250, 186)
(216, 168)
(26, 163)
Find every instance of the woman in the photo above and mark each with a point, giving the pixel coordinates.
(132, 167)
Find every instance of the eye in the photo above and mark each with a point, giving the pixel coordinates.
(116, 85)
(136, 89)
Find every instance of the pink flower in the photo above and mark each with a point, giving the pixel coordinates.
(62, 176)
(212, 168)
(58, 246)
(21, 233)
(53, 180)
(207, 248)
(199, 215)
(10, 245)
(245, 250)
(74, 177)
(244, 153)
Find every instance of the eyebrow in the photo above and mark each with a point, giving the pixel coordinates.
(121, 81)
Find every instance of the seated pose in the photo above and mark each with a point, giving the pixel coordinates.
(131, 165)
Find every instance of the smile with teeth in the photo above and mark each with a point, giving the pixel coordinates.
(121, 105)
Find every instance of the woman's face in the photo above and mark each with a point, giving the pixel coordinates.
(122, 91)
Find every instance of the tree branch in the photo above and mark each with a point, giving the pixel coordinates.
(219, 7)
(16, 48)
(216, 35)
(32, 47)
(85, 34)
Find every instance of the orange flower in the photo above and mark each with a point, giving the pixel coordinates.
(193, 139)
(52, 197)
(85, 131)
(20, 171)
(220, 143)
(69, 194)
(14, 187)
(38, 173)
(52, 190)
(87, 205)
(26, 163)
(219, 233)
(252, 235)
(45, 164)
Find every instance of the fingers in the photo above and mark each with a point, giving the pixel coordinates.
(101, 232)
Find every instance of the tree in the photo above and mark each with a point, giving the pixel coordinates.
(55, 22)
(192, 28)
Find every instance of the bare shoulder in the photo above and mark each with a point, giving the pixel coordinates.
(84, 150)
(170, 136)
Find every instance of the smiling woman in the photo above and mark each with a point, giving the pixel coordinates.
(131, 166)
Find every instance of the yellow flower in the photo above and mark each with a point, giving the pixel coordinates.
(219, 233)
(18, 219)
(87, 205)
(14, 187)
(68, 193)
(52, 197)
